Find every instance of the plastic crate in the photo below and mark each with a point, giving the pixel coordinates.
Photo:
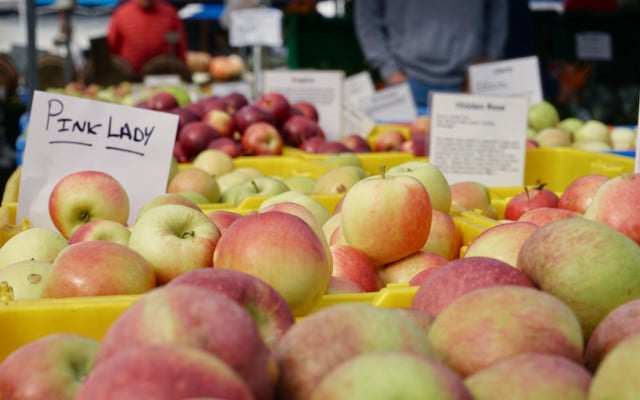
(278, 166)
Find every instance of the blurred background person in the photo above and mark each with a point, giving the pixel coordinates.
(430, 43)
(140, 30)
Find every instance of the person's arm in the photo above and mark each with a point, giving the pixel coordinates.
(496, 28)
(370, 32)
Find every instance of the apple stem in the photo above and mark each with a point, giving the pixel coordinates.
(187, 234)
(85, 216)
(526, 190)
(255, 186)
(383, 170)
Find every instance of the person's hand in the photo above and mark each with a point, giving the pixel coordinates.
(396, 77)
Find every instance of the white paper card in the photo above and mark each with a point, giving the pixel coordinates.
(256, 27)
(392, 104)
(358, 87)
(321, 88)
(515, 77)
(162, 80)
(356, 121)
(224, 88)
(593, 46)
(479, 138)
(69, 134)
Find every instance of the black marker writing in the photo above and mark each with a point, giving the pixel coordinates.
(136, 134)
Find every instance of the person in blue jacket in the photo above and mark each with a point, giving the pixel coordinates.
(430, 43)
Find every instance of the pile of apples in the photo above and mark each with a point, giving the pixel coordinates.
(546, 129)
(554, 298)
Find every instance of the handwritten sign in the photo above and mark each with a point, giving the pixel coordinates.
(255, 27)
(515, 77)
(479, 138)
(321, 88)
(68, 134)
(392, 104)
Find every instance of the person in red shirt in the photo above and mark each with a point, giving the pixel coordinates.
(140, 30)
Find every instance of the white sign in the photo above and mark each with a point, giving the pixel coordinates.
(356, 121)
(256, 27)
(69, 134)
(479, 138)
(516, 77)
(321, 88)
(593, 46)
(224, 88)
(392, 104)
(162, 80)
(356, 88)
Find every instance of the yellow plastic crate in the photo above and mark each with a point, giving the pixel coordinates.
(278, 166)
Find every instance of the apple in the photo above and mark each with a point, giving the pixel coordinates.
(570, 124)
(98, 268)
(296, 129)
(445, 238)
(493, 323)
(387, 217)
(560, 258)
(215, 162)
(473, 196)
(621, 323)
(101, 229)
(250, 114)
(433, 261)
(284, 251)
(223, 218)
(163, 372)
(391, 374)
(544, 215)
(34, 243)
(51, 367)
(623, 138)
(235, 101)
(579, 193)
(431, 178)
(229, 179)
(337, 237)
(334, 160)
(352, 264)
(226, 67)
(332, 147)
(163, 101)
(458, 277)
(264, 304)
(331, 224)
(615, 203)
(556, 377)
(529, 199)
(194, 179)
(420, 126)
(553, 137)
(200, 318)
(165, 198)
(300, 183)
(311, 144)
(82, 196)
(179, 154)
(416, 146)
(531, 144)
(259, 186)
(322, 341)
(262, 139)
(541, 115)
(317, 209)
(26, 278)
(194, 197)
(196, 107)
(592, 131)
(221, 121)
(356, 143)
(615, 377)
(388, 139)
(251, 172)
(501, 241)
(405, 269)
(174, 239)
(185, 115)
(307, 109)
(276, 104)
(343, 286)
(212, 103)
(194, 137)
(230, 146)
(338, 180)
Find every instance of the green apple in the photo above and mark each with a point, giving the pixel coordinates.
(215, 162)
(570, 124)
(339, 159)
(300, 183)
(231, 178)
(174, 239)
(616, 376)
(26, 278)
(431, 178)
(82, 196)
(317, 209)
(35, 243)
(194, 197)
(592, 131)
(542, 115)
(180, 93)
(259, 186)
(339, 179)
(169, 198)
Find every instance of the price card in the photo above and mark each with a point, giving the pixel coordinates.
(516, 77)
(479, 138)
(321, 88)
(358, 87)
(392, 104)
(69, 134)
(162, 80)
(356, 121)
(256, 27)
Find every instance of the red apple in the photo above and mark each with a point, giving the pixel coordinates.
(235, 101)
(296, 129)
(223, 218)
(501, 241)
(194, 137)
(416, 146)
(261, 139)
(356, 143)
(578, 194)
(434, 261)
(163, 101)
(342, 285)
(406, 269)
(388, 140)
(179, 154)
(307, 109)
(352, 264)
(196, 107)
(226, 144)
(528, 199)
(544, 215)
(311, 144)
(250, 114)
(332, 147)
(185, 115)
(276, 104)
(420, 126)
(213, 103)
(221, 121)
